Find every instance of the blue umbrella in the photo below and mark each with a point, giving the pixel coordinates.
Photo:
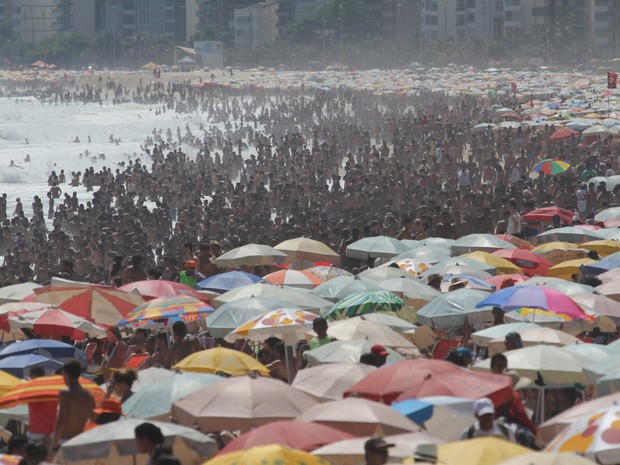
(20, 365)
(224, 282)
(416, 410)
(597, 268)
(45, 347)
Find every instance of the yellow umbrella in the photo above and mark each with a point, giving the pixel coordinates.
(554, 245)
(7, 382)
(565, 270)
(303, 248)
(221, 360)
(549, 458)
(479, 451)
(603, 247)
(273, 454)
(558, 256)
(502, 265)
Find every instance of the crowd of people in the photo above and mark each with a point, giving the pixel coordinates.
(333, 165)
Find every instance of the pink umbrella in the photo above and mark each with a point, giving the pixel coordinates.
(152, 289)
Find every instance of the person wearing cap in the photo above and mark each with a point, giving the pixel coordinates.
(109, 411)
(189, 276)
(486, 425)
(380, 353)
(376, 451)
(467, 355)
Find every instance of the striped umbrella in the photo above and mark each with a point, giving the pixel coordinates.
(6, 459)
(52, 321)
(167, 308)
(44, 389)
(365, 302)
(153, 288)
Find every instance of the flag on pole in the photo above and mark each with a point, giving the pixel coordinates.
(612, 80)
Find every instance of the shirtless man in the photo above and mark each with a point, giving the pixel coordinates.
(184, 344)
(135, 271)
(75, 407)
(162, 357)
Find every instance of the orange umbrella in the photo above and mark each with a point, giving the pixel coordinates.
(44, 389)
(517, 242)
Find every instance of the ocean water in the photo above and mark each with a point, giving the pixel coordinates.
(51, 131)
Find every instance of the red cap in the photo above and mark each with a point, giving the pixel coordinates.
(378, 350)
(190, 264)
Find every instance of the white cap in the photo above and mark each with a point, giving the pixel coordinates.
(484, 406)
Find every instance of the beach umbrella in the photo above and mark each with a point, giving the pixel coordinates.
(534, 336)
(565, 287)
(225, 282)
(600, 304)
(391, 321)
(294, 434)
(485, 336)
(414, 293)
(606, 277)
(293, 278)
(516, 297)
(609, 289)
(233, 314)
(549, 246)
(551, 167)
(176, 307)
(436, 242)
(154, 288)
(429, 254)
(293, 296)
(483, 242)
(594, 352)
(365, 302)
(53, 321)
(593, 435)
(344, 352)
(458, 265)
(479, 451)
(516, 241)
(6, 459)
(529, 262)
(451, 416)
(305, 249)
(221, 360)
(287, 324)
(569, 234)
(416, 410)
(375, 247)
(358, 328)
(116, 443)
(101, 304)
(325, 273)
(153, 402)
(449, 281)
(596, 268)
(453, 308)
(602, 247)
(559, 256)
(500, 281)
(328, 382)
(20, 365)
(612, 213)
(547, 214)
(8, 382)
(17, 292)
(46, 347)
(410, 265)
(502, 265)
(549, 458)
(251, 255)
(17, 308)
(550, 364)
(566, 270)
(273, 454)
(359, 417)
(611, 231)
(44, 389)
(343, 286)
(391, 380)
(240, 403)
(382, 273)
(351, 451)
(562, 134)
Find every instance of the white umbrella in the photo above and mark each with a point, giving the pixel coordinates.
(16, 292)
(344, 352)
(414, 293)
(358, 328)
(452, 309)
(382, 273)
(484, 336)
(375, 247)
(485, 242)
(297, 297)
(451, 416)
(250, 254)
(328, 382)
(115, 443)
(343, 286)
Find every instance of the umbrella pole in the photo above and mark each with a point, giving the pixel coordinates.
(288, 370)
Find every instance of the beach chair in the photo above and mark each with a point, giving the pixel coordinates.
(135, 361)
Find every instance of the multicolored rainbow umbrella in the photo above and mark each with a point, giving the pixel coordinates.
(178, 307)
(551, 166)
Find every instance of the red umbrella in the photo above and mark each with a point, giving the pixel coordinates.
(101, 304)
(17, 308)
(547, 214)
(466, 384)
(389, 382)
(152, 289)
(52, 321)
(563, 134)
(294, 434)
(531, 263)
(516, 241)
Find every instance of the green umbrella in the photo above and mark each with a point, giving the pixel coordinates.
(365, 302)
